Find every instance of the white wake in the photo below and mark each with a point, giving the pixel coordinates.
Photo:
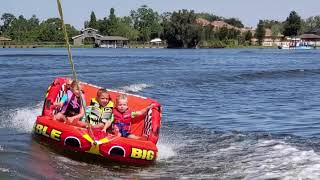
(135, 87)
(21, 119)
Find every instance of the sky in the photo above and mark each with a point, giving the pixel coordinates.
(78, 11)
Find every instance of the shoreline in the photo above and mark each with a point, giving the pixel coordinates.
(131, 47)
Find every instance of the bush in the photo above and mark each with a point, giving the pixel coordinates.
(212, 44)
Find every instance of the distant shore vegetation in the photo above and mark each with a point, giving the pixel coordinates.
(179, 29)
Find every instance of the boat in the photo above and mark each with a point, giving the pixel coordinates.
(103, 145)
(296, 43)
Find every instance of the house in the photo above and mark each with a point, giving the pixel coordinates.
(4, 41)
(215, 24)
(88, 36)
(91, 36)
(112, 42)
(220, 24)
(315, 31)
(269, 40)
(311, 39)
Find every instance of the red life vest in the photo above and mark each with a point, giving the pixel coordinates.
(122, 118)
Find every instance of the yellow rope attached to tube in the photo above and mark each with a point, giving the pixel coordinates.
(72, 64)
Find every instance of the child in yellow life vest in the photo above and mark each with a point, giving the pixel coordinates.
(99, 113)
(123, 116)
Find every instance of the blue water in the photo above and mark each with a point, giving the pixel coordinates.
(228, 113)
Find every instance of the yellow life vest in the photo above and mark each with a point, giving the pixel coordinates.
(97, 114)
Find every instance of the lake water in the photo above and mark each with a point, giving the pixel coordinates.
(228, 113)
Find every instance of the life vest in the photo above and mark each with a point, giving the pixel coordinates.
(72, 106)
(122, 120)
(97, 113)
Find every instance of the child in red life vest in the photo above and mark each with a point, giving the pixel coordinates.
(123, 116)
(72, 110)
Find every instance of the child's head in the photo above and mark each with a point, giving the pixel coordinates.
(122, 103)
(103, 97)
(68, 83)
(74, 88)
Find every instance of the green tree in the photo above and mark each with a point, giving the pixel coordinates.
(18, 28)
(311, 23)
(33, 21)
(207, 33)
(247, 37)
(208, 17)
(23, 30)
(93, 21)
(276, 29)
(269, 23)
(260, 32)
(103, 26)
(182, 31)
(72, 31)
(6, 19)
(165, 18)
(222, 33)
(125, 28)
(32, 31)
(112, 23)
(50, 30)
(225, 34)
(233, 33)
(108, 25)
(292, 25)
(116, 26)
(147, 22)
(234, 22)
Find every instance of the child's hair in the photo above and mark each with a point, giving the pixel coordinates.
(121, 97)
(102, 91)
(68, 81)
(74, 84)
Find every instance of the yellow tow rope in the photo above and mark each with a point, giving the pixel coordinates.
(72, 65)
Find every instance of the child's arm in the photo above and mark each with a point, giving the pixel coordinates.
(106, 126)
(78, 116)
(82, 110)
(62, 101)
(108, 123)
(58, 104)
(144, 110)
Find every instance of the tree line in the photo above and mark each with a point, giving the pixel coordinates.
(180, 29)
(20, 29)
